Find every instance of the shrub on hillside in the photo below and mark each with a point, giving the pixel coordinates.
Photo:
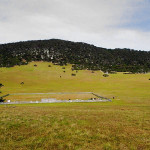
(105, 75)
(1, 98)
(73, 74)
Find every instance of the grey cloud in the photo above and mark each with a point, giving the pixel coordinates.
(93, 21)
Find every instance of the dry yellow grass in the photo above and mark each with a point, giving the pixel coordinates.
(38, 97)
(74, 126)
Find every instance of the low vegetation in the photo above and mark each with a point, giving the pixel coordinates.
(121, 124)
(105, 75)
(82, 126)
(127, 88)
(1, 97)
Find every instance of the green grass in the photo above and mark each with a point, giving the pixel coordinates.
(121, 124)
(129, 88)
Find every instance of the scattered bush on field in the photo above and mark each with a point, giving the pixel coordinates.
(1, 98)
(105, 75)
(35, 65)
(73, 74)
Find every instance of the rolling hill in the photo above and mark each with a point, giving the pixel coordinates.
(80, 55)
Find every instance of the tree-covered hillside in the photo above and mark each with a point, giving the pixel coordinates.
(81, 55)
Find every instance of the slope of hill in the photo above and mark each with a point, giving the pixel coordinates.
(125, 88)
(81, 55)
(121, 124)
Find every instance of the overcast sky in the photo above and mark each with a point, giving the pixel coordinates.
(104, 23)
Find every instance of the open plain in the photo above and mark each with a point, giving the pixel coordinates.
(123, 123)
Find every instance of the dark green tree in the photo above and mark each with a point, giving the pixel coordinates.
(80, 55)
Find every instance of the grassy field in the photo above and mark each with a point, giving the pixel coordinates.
(121, 124)
(83, 126)
(127, 88)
